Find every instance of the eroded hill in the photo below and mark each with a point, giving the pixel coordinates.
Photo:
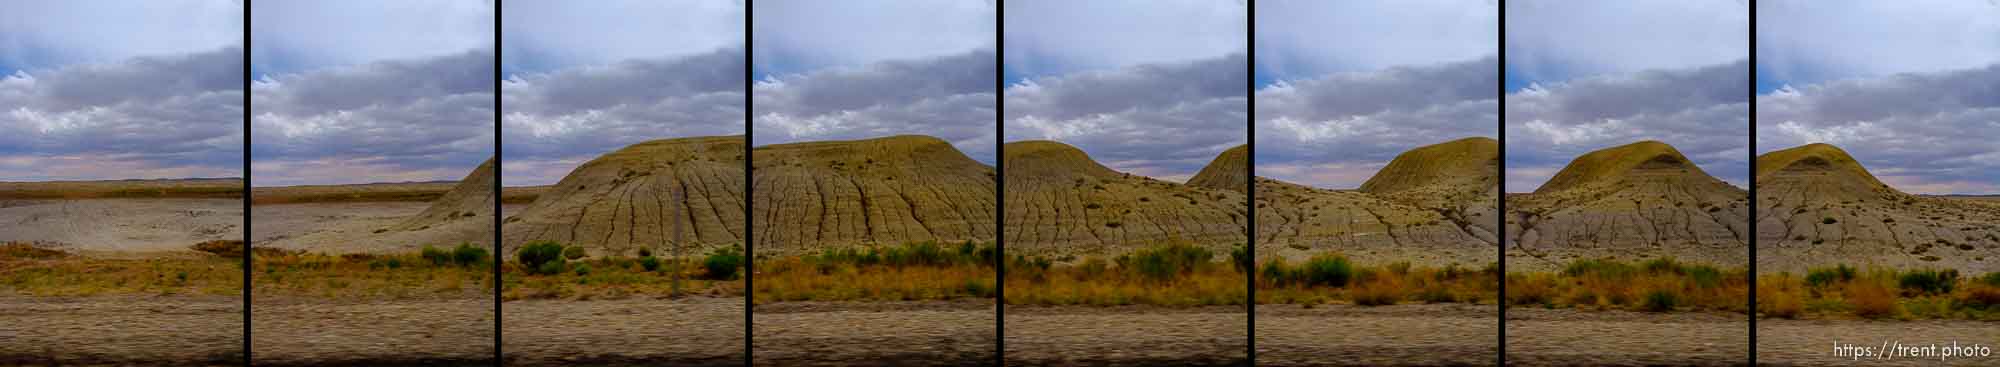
(1820, 207)
(1061, 202)
(637, 196)
(463, 215)
(1633, 201)
(1431, 205)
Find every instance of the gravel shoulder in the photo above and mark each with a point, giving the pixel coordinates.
(895, 333)
(303, 331)
(1811, 342)
(121, 330)
(680, 332)
(1348, 335)
(1537, 336)
(1132, 335)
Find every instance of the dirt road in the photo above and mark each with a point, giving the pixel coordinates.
(1539, 337)
(639, 331)
(312, 331)
(1332, 335)
(1811, 342)
(849, 333)
(121, 330)
(1130, 335)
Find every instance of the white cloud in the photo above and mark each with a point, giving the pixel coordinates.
(402, 120)
(1054, 37)
(1159, 120)
(1703, 112)
(949, 97)
(1560, 40)
(1347, 120)
(148, 117)
(575, 114)
(1921, 132)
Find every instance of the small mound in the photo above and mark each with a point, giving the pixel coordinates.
(1471, 162)
(1617, 163)
(1051, 161)
(1229, 171)
(471, 198)
(636, 197)
(1816, 159)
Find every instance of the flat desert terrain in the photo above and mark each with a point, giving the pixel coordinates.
(121, 227)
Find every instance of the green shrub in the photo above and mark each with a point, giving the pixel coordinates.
(1328, 270)
(1992, 279)
(1240, 255)
(1661, 300)
(1704, 276)
(1821, 277)
(541, 257)
(436, 256)
(468, 255)
(1928, 281)
(1604, 268)
(650, 263)
(1166, 262)
(645, 252)
(582, 269)
(1276, 272)
(574, 252)
(723, 263)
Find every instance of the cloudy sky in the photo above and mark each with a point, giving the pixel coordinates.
(1583, 76)
(348, 92)
(587, 78)
(838, 70)
(100, 90)
(1155, 88)
(1905, 87)
(1343, 87)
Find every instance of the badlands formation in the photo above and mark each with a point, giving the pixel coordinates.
(1819, 207)
(1061, 202)
(1434, 205)
(462, 215)
(1635, 201)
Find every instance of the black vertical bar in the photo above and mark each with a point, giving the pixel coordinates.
(1250, 193)
(1751, 86)
(247, 253)
(498, 167)
(749, 188)
(1500, 88)
(1000, 183)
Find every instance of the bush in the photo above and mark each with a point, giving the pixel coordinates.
(1382, 291)
(650, 263)
(1928, 281)
(436, 256)
(1780, 304)
(1163, 263)
(723, 263)
(1529, 290)
(1992, 279)
(541, 257)
(582, 269)
(1328, 270)
(1872, 300)
(574, 252)
(645, 252)
(468, 255)
(1276, 273)
(1240, 256)
(1982, 297)
(1824, 276)
(1661, 300)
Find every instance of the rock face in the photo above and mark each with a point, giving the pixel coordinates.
(1432, 205)
(637, 196)
(1633, 201)
(1061, 202)
(1820, 207)
(889, 190)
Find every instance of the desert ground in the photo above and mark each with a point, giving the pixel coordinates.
(1811, 342)
(1411, 334)
(697, 331)
(917, 333)
(125, 314)
(1538, 336)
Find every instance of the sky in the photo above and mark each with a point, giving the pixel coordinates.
(1584, 76)
(843, 70)
(348, 92)
(127, 90)
(1907, 88)
(1343, 87)
(1153, 88)
(585, 78)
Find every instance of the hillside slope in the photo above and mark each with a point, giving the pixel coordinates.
(1819, 207)
(635, 197)
(1633, 201)
(1431, 205)
(1061, 202)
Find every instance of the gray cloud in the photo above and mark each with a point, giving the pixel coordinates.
(1337, 130)
(1558, 40)
(1055, 37)
(548, 35)
(398, 120)
(1920, 132)
(1804, 42)
(301, 36)
(146, 117)
(556, 121)
(50, 34)
(1308, 38)
(949, 97)
(1159, 120)
(798, 36)
(1702, 111)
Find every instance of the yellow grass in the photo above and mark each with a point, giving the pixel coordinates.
(1103, 285)
(797, 279)
(616, 278)
(33, 271)
(1850, 293)
(1659, 285)
(366, 277)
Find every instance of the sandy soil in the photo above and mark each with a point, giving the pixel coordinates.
(1081, 335)
(684, 332)
(1331, 335)
(1537, 336)
(121, 226)
(125, 330)
(1810, 342)
(402, 332)
(897, 333)
(351, 227)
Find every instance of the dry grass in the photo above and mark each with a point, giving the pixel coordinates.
(366, 277)
(918, 271)
(616, 278)
(1843, 292)
(1659, 285)
(1330, 278)
(35, 271)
